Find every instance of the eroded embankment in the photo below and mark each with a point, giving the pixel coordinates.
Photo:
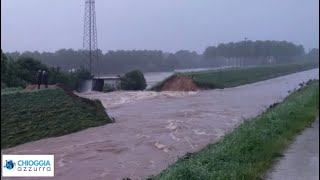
(228, 78)
(150, 134)
(178, 83)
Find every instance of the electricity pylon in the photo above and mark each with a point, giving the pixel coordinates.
(90, 43)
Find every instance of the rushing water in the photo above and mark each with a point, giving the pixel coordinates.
(153, 129)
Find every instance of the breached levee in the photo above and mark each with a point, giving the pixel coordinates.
(177, 83)
(150, 133)
(228, 78)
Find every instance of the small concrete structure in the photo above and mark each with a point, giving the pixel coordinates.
(99, 82)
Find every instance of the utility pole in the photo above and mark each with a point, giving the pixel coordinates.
(90, 44)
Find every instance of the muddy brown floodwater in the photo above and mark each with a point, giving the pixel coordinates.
(153, 129)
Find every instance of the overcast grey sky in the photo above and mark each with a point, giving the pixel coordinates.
(168, 25)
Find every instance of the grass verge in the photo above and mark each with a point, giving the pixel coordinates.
(10, 90)
(30, 116)
(250, 149)
(232, 77)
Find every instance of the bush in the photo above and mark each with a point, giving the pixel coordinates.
(9, 73)
(28, 68)
(79, 76)
(24, 71)
(133, 80)
(70, 79)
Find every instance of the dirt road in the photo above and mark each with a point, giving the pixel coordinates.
(150, 133)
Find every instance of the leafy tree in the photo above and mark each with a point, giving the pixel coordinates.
(314, 54)
(4, 63)
(24, 70)
(279, 49)
(9, 71)
(28, 68)
(133, 80)
(120, 61)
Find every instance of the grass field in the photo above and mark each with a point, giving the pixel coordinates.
(250, 150)
(232, 77)
(30, 116)
(10, 90)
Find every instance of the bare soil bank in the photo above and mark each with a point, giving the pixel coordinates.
(228, 78)
(179, 83)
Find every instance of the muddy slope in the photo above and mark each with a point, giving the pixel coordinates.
(178, 83)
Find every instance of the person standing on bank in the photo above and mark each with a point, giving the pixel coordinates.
(45, 78)
(39, 78)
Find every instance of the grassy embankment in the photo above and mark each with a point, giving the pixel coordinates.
(250, 149)
(30, 116)
(232, 77)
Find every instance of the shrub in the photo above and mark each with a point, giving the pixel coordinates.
(24, 71)
(9, 73)
(28, 68)
(133, 80)
(70, 79)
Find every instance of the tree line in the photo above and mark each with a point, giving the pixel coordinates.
(118, 61)
(23, 71)
(153, 60)
(277, 49)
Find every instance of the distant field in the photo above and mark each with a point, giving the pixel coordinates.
(232, 77)
(250, 150)
(30, 116)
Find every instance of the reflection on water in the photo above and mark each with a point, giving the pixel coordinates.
(153, 129)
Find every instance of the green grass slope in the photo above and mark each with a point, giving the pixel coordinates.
(232, 77)
(30, 116)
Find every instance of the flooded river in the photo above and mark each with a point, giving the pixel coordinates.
(153, 129)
